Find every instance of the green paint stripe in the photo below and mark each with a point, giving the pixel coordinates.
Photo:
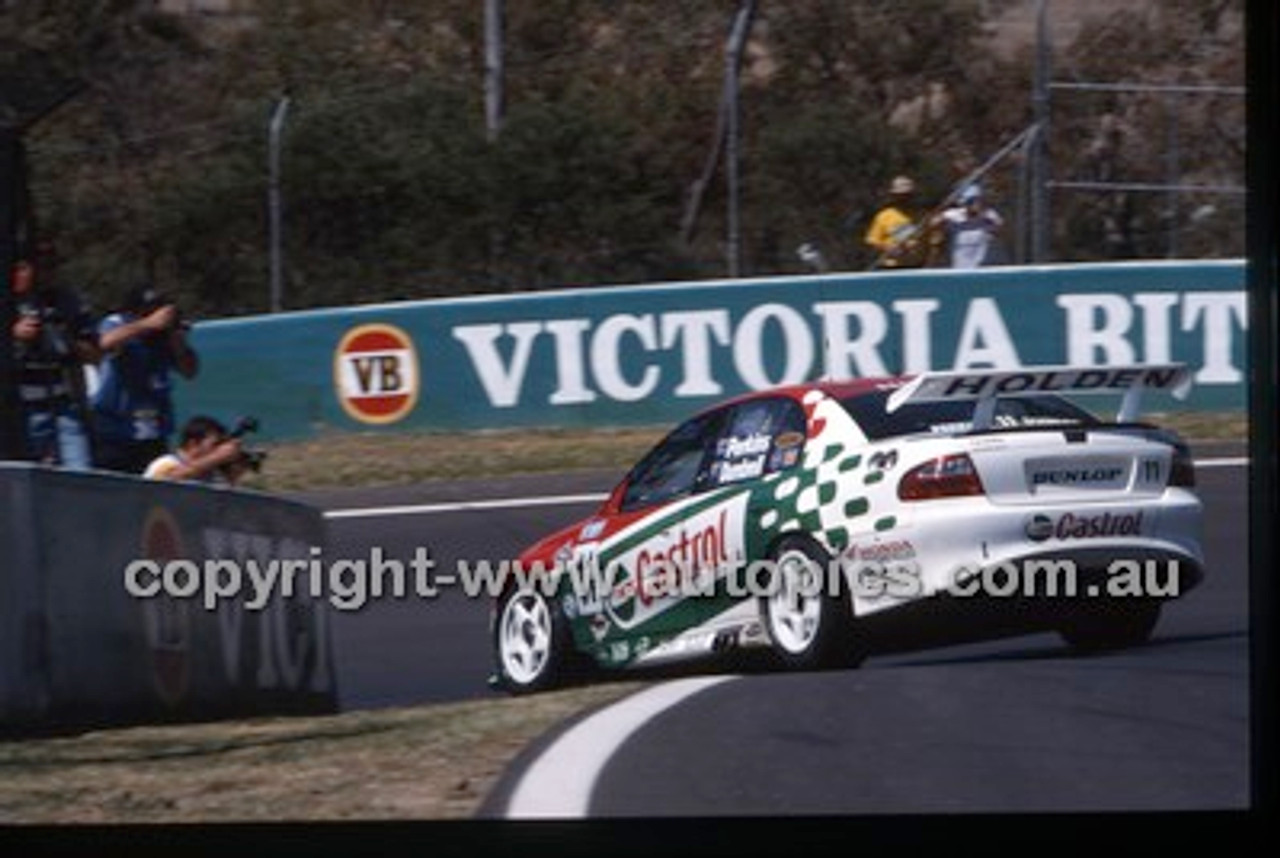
(665, 519)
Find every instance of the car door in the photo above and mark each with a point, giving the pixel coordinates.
(678, 519)
(615, 553)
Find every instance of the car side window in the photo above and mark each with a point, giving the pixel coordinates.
(760, 437)
(675, 466)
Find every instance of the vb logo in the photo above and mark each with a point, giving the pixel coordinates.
(375, 373)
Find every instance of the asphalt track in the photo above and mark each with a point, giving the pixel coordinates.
(994, 726)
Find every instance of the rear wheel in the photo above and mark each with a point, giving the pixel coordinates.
(1110, 625)
(532, 642)
(810, 627)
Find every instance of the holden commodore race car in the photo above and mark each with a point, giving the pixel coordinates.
(786, 519)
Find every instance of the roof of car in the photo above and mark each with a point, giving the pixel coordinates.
(842, 389)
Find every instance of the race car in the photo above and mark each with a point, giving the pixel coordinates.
(789, 519)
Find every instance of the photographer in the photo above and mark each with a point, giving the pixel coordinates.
(144, 342)
(53, 337)
(206, 453)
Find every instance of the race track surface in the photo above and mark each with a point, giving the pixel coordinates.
(1008, 725)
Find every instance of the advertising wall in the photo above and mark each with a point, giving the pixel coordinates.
(77, 649)
(651, 354)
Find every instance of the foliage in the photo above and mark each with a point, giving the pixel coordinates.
(393, 188)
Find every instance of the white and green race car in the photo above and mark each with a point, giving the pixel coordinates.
(788, 519)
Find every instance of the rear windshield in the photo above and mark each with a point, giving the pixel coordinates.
(954, 416)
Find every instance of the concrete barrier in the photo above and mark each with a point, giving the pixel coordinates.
(77, 650)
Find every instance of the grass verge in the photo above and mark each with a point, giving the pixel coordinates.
(423, 762)
(366, 459)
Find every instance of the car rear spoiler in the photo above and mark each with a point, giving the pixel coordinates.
(986, 386)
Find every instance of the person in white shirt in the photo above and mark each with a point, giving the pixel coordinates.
(970, 227)
(206, 453)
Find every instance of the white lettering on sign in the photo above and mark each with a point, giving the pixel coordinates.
(748, 346)
(502, 380)
(702, 353)
(695, 331)
(606, 357)
(1154, 309)
(571, 382)
(849, 357)
(984, 340)
(1218, 310)
(1098, 329)
(917, 355)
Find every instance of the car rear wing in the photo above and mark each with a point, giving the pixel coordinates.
(985, 387)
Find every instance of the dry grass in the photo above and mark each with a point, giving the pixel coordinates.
(1206, 426)
(425, 762)
(367, 459)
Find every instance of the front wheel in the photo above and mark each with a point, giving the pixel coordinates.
(532, 642)
(1110, 625)
(811, 626)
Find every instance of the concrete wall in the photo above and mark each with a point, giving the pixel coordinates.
(76, 649)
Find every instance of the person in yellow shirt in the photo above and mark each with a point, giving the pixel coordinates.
(894, 234)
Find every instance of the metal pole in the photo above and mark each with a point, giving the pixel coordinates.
(1024, 168)
(494, 96)
(1040, 149)
(273, 202)
(733, 239)
(1171, 169)
(733, 61)
(12, 203)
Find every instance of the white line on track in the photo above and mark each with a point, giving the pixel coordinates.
(569, 500)
(559, 783)
(1238, 462)
(465, 506)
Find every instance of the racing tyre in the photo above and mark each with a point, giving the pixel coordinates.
(533, 644)
(1110, 625)
(810, 627)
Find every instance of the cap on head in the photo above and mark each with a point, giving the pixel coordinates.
(902, 185)
(970, 193)
(143, 296)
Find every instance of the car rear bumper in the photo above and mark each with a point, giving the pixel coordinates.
(1149, 548)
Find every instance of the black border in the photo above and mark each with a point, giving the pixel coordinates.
(1262, 45)
(1023, 833)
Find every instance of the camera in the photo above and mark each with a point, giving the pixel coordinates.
(144, 300)
(243, 426)
(253, 459)
(250, 459)
(53, 339)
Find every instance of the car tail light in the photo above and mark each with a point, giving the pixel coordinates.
(945, 477)
(1183, 470)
